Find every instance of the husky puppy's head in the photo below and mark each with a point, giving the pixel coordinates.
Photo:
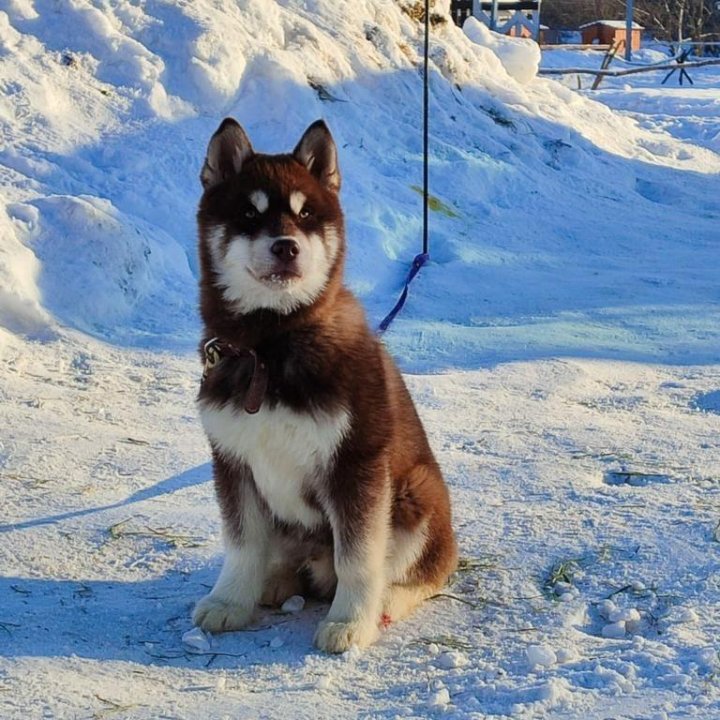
(271, 227)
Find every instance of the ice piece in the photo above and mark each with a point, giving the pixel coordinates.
(293, 604)
(196, 639)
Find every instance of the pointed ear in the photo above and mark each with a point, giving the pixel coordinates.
(229, 148)
(317, 152)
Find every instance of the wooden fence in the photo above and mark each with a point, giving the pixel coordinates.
(512, 17)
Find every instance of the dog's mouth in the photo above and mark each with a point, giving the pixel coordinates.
(278, 278)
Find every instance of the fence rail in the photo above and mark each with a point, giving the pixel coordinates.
(510, 4)
(630, 71)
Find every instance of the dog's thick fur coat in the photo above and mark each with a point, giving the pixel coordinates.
(331, 487)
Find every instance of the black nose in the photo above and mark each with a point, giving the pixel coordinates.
(286, 250)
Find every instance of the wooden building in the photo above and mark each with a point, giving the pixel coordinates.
(606, 32)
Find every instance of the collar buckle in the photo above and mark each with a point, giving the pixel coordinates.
(213, 355)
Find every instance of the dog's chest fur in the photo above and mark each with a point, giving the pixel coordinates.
(288, 452)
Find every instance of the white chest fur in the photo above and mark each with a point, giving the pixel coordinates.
(287, 451)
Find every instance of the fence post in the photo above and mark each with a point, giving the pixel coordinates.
(629, 29)
(494, 16)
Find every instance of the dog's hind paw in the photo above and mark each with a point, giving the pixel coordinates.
(337, 637)
(215, 615)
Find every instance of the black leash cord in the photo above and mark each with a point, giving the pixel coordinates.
(426, 127)
(424, 256)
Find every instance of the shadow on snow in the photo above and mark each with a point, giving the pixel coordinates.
(194, 476)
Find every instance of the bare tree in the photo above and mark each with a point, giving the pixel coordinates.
(572, 13)
(678, 19)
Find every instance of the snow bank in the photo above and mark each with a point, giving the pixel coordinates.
(100, 270)
(20, 301)
(519, 56)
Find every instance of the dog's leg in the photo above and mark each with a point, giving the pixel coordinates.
(423, 552)
(359, 514)
(405, 590)
(231, 603)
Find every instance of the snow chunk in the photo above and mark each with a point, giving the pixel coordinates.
(451, 659)
(276, 642)
(565, 655)
(196, 639)
(606, 608)
(519, 57)
(625, 614)
(439, 698)
(614, 629)
(681, 679)
(556, 692)
(629, 616)
(293, 604)
(542, 655)
(324, 682)
(687, 615)
(21, 9)
(566, 592)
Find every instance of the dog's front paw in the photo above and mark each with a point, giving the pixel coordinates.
(215, 615)
(337, 637)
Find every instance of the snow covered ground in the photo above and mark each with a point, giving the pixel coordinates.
(688, 113)
(563, 348)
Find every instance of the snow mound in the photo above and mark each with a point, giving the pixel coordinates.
(102, 271)
(519, 56)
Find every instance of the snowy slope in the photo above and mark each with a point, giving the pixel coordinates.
(128, 119)
(571, 304)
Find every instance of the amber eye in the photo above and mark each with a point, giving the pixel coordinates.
(250, 213)
(305, 213)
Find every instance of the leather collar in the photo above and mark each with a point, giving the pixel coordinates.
(216, 349)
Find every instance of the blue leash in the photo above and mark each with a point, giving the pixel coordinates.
(424, 256)
(417, 263)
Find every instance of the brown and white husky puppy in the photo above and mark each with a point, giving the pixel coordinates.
(324, 476)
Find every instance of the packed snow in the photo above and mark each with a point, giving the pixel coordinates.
(563, 348)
